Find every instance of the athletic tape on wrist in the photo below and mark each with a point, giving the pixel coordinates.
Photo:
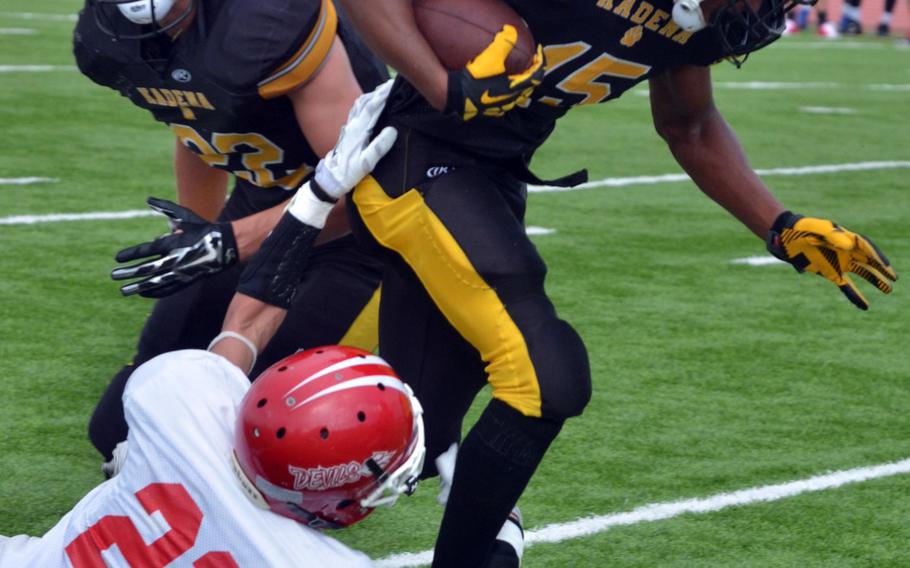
(308, 208)
(241, 339)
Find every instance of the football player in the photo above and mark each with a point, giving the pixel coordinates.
(256, 91)
(221, 474)
(463, 299)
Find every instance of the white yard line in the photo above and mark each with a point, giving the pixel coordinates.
(26, 180)
(757, 261)
(60, 217)
(37, 16)
(606, 182)
(559, 532)
(670, 178)
(828, 44)
(784, 85)
(539, 230)
(35, 68)
(18, 31)
(827, 110)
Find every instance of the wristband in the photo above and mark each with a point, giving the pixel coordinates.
(307, 207)
(241, 339)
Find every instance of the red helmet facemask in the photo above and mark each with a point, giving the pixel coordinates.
(326, 435)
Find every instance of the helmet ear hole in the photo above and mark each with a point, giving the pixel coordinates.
(282, 368)
(381, 386)
(344, 504)
(280, 433)
(261, 403)
(362, 416)
(324, 433)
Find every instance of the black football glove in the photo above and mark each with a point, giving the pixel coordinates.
(825, 248)
(484, 87)
(196, 248)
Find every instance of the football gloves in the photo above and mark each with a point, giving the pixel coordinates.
(824, 248)
(484, 87)
(196, 248)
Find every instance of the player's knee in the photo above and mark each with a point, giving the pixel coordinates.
(563, 372)
(107, 426)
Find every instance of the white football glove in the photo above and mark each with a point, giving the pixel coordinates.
(349, 161)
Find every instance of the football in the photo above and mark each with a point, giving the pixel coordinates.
(458, 30)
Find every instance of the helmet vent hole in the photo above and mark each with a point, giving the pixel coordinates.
(280, 433)
(344, 503)
(362, 416)
(282, 368)
(324, 433)
(381, 386)
(261, 403)
(320, 351)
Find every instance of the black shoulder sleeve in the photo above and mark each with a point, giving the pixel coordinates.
(705, 49)
(269, 46)
(88, 50)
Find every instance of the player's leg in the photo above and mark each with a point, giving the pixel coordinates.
(850, 18)
(464, 239)
(443, 369)
(185, 320)
(884, 22)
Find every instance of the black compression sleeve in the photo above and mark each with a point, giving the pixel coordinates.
(274, 272)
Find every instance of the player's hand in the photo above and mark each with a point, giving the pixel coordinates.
(196, 248)
(273, 273)
(824, 248)
(484, 87)
(354, 155)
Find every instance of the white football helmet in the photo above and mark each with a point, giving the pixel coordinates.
(145, 11)
(120, 18)
(687, 14)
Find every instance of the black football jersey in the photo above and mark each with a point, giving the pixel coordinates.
(220, 85)
(595, 51)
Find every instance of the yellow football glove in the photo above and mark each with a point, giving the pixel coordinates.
(484, 87)
(823, 247)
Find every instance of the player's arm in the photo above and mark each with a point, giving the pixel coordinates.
(390, 30)
(200, 187)
(682, 105)
(270, 279)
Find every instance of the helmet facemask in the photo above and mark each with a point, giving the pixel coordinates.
(742, 30)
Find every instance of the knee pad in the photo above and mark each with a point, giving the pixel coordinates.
(563, 371)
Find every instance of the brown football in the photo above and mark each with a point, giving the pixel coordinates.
(458, 30)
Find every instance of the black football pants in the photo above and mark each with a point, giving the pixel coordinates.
(463, 299)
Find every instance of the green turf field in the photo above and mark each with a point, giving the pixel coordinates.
(710, 377)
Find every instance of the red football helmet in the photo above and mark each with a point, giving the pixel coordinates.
(326, 435)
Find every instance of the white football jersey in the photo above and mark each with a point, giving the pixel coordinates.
(176, 503)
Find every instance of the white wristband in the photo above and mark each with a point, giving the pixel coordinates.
(241, 339)
(309, 209)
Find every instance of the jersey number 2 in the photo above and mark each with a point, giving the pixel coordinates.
(176, 506)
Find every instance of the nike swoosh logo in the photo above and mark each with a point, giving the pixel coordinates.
(487, 99)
